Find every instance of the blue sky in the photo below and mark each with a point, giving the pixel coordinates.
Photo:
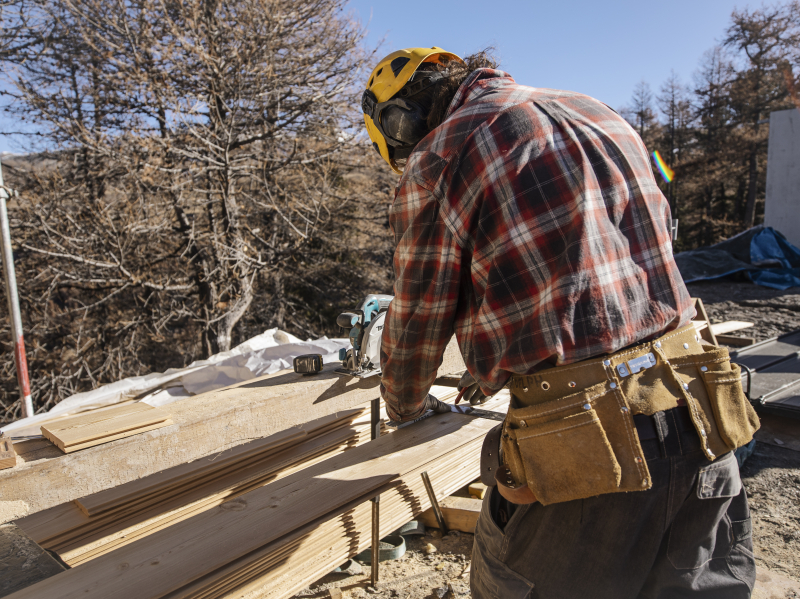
(600, 48)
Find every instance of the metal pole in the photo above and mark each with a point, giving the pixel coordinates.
(375, 432)
(20, 361)
(437, 511)
(376, 540)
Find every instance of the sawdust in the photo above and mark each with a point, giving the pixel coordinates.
(12, 510)
(416, 575)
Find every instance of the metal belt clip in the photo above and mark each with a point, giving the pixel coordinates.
(636, 365)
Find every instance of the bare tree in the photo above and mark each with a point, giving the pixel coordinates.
(674, 104)
(768, 42)
(20, 26)
(710, 169)
(641, 112)
(202, 178)
(230, 113)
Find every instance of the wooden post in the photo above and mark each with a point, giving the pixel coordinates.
(375, 428)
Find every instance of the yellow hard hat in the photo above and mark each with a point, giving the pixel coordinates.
(385, 81)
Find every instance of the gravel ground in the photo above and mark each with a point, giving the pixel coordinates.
(772, 479)
(771, 476)
(773, 312)
(432, 568)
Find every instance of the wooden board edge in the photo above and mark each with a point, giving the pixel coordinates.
(144, 429)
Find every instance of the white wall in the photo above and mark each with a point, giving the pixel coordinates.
(782, 208)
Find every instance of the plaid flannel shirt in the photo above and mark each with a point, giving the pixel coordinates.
(529, 224)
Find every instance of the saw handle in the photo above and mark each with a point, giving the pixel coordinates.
(345, 319)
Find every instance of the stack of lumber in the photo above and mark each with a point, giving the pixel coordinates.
(46, 477)
(101, 426)
(276, 538)
(91, 526)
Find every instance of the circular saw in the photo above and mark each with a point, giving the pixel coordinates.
(363, 359)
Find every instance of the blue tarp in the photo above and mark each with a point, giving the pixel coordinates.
(761, 253)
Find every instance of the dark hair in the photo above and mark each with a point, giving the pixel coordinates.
(457, 73)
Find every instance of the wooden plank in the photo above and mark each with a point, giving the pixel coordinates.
(172, 558)
(126, 494)
(8, 457)
(477, 489)
(203, 425)
(251, 479)
(89, 427)
(57, 522)
(460, 513)
(61, 527)
(735, 341)
(729, 326)
(288, 564)
(702, 318)
(109, 438)
(281, 573)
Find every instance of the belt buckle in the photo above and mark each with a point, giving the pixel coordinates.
(636, 365)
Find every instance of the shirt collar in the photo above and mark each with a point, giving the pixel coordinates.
(473, 81)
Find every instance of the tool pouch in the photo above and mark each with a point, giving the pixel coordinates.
(490, 456)
(577, 446)
(712, 388)
(585, 443)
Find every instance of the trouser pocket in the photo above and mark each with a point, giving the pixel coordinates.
(735, 417)
(703, 529)
(490, 577)
(568, 458)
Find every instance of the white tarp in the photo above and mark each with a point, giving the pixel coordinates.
(269, 352)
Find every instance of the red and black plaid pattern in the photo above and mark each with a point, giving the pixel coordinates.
(530, 225)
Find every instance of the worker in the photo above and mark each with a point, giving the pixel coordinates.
(529, 224)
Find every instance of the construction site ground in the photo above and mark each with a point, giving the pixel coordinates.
(436, 567)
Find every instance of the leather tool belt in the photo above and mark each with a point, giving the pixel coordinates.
(571, 434)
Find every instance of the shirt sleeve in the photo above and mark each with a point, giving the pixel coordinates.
(420, 320)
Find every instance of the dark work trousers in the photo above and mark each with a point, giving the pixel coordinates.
(687, 536)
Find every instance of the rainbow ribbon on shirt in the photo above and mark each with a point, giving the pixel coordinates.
(663, 168)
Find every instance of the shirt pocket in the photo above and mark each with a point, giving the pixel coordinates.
(702, 529)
